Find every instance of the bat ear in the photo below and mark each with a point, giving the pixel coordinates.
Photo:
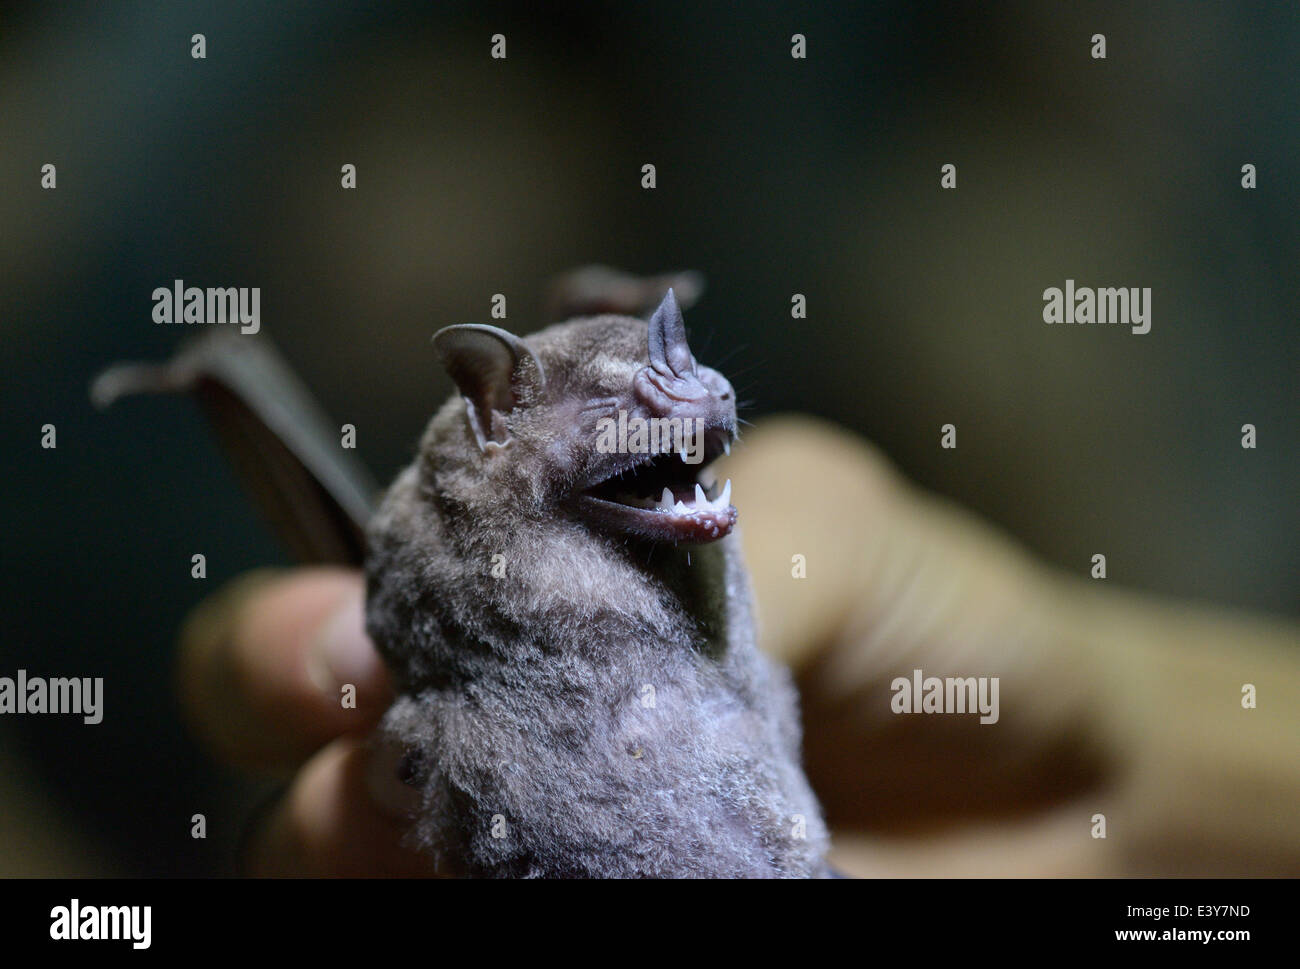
(496, 373)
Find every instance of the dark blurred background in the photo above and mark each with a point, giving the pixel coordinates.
(479, 176)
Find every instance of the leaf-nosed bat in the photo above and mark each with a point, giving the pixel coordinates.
(569, 626)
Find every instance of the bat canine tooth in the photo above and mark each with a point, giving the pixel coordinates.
(666, 500)
(699, 495)
(725, 498)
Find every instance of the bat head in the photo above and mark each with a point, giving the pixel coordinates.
(608, 421)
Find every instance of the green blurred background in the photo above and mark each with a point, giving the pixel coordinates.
(775, 176)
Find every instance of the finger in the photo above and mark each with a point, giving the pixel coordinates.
(877, 580)
(832, 542)
(277, 665)
(1051, 845)
(343, 816)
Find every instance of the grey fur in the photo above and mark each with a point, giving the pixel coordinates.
(524, 697)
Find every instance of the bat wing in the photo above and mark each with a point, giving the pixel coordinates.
(593, 290)
(317, 496)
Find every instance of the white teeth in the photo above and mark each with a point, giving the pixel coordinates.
(700, 501)
(726, 446)
(682, 454)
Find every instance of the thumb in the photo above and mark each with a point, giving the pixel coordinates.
(860, 580)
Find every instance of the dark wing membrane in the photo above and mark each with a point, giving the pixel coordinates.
(316, 494)
(593, 290)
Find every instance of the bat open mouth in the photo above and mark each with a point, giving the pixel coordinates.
(663, 498)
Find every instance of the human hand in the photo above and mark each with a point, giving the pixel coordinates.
(1111, 703)
(262, 670)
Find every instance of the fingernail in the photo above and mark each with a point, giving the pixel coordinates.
(342, 653)
(386, 779)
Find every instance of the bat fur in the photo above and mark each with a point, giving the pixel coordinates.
(581, 692)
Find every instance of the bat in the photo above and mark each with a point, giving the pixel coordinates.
(564, 609)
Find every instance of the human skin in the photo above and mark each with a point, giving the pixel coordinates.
(1112, 703)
